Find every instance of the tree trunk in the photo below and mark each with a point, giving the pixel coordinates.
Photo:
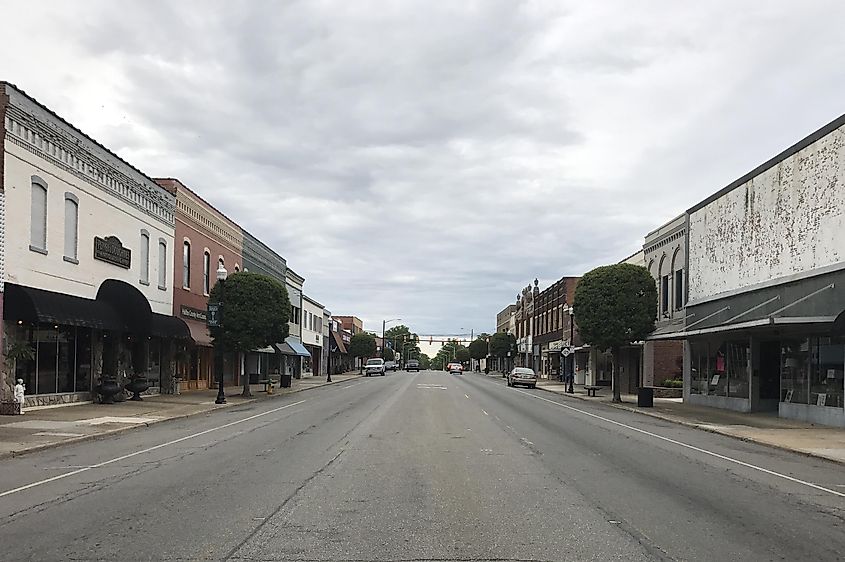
(617, 397)
(247, 393)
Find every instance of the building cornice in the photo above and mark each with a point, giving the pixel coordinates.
(36, 129)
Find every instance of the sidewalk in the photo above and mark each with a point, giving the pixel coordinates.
(763, 427)
(42, 428)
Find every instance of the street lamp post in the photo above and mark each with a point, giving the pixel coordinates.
(329, 356)
(571, 389)
(221, 280)
(383, 326)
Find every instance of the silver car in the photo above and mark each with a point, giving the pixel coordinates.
(523, 376)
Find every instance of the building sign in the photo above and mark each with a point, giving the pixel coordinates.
(555, 345)
(194, 313)
(215, 315)
(110, 250)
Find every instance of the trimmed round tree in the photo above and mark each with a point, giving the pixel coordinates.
(256, 310)
(615, 305)
(362, 345)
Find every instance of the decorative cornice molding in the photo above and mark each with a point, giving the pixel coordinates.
(63, 148)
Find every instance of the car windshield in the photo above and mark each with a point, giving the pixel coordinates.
(374, 362)
(523, 371)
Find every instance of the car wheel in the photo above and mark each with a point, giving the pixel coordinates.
(533, 386)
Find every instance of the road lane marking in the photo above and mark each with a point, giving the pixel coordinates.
(485, 413)
(467, 397)
(688, 446)
(351, 385)
(141, 452)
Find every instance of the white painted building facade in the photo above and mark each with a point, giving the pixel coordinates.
(764, 324)
(90, 250)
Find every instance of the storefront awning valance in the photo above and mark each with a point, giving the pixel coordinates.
(292, 346)
(338, 346)
(199, 333)
(169, 327)
(37, 305)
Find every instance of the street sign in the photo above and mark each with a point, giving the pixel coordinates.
(215, 315)
(565, 351)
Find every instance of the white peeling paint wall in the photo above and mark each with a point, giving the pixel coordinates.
(788, 220)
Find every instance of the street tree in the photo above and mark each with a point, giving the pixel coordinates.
(403, 340)
(362, 345)
(462, 354)
(615, 305)
(256, 310)
(500, 345)
(478, 349)
(425, 361)
(389, 354)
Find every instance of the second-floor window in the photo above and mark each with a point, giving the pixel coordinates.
(186, 265)
(206, 266)
(679, 289)
(71, 227)
(145, 258)
(162, 264)
(38, 216)
(664, 294)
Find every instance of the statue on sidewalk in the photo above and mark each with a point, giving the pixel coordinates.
(19, 395)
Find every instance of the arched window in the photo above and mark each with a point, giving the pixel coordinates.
(664, 274)
(38, 216)
(145, 257)
(71, 228)
(186, 265)
(206, 266)
(162, 264)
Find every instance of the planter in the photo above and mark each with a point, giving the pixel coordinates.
(667, 392)
(107, 391)
(10, 408)
(136, 387)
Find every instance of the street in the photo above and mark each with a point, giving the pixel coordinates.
(420, 466)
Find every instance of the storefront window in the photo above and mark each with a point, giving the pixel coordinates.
(45, 360)
(698, 367)
(67, 358)
(83, 360)
(826, 384)
(154, 362)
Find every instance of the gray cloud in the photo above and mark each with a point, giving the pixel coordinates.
(427, 160)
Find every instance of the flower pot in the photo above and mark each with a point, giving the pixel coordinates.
(136, 387)
(107, 391)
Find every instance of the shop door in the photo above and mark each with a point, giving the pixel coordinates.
(770, 370)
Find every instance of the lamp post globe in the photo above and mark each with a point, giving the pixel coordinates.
(222, 274)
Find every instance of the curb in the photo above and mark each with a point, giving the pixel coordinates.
(701, 427)
(113, 432)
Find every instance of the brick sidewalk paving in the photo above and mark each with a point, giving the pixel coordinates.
(41, 428)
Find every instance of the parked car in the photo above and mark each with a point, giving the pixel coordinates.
(390, 366)
(412, 365)
(374, 367)
(523, 376)
(455, 368)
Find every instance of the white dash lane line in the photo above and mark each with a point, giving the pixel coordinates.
(485, 413)
(143, 451)
(467, 397)
(351, 385)
(691, 447)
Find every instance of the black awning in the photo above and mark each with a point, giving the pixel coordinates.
(37, 305)
(169, 327)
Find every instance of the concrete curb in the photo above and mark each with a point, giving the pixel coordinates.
(699, 426)
(112, 432)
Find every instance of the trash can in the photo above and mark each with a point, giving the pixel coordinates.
(285, 379)
(645, 397)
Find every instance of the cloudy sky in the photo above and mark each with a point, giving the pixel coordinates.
(423, 159)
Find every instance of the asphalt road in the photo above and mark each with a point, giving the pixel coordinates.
(425, 466)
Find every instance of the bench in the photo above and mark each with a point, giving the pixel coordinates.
(269, 382)
(591, 390)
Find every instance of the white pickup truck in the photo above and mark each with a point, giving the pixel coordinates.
(374, 367)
